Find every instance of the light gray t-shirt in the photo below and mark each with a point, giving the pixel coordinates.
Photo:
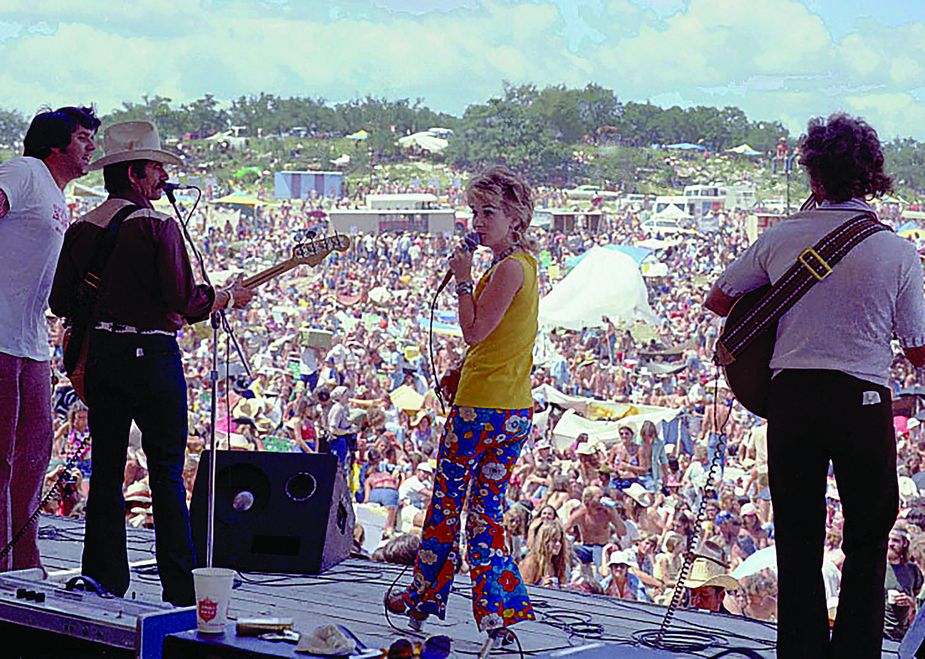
(846, 322)
(31, 235)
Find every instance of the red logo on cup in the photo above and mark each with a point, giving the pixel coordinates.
(207, 609)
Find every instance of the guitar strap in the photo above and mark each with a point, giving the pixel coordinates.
(813, 265)
(87, 288)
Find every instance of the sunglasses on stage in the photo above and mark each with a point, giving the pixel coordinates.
(435, 647)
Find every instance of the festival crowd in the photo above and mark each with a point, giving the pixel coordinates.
(339, 355)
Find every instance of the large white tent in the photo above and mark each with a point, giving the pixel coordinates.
(605, 283)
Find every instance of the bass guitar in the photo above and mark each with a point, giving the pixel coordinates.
(309, 252)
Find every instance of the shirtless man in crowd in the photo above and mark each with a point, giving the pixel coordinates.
(596, 522)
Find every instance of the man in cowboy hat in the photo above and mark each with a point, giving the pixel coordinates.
(33, 218)
(707, 579)
(146, 293)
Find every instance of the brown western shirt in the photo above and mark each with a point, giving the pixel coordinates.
(148, 281)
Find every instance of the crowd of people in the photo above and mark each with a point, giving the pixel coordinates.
(339, 357)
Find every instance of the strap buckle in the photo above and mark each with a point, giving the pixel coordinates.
(825, 268)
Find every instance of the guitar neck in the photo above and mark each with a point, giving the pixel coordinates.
(272, 272)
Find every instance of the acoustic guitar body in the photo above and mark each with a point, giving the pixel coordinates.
(749, 376)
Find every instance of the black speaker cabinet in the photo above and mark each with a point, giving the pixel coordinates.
(274, 512)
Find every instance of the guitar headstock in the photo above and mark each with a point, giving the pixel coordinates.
(313, 252)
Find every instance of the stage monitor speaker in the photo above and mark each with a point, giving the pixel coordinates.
(274, 512)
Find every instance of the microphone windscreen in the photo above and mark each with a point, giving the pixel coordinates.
(471, 241)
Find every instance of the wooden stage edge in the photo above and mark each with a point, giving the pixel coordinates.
(350, 594)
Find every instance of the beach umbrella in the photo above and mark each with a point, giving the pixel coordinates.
(915, 234)
(763, 559)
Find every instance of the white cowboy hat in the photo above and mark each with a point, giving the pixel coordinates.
(133, 140)
(640, 495)
(706, 571)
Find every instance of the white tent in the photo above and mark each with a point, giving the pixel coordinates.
(571, 425)
(671, 212)
(605, 283)
(425, 141)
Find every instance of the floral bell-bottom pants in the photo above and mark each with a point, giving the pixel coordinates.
(479, 446)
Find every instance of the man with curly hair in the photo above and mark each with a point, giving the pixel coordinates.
(829, 397)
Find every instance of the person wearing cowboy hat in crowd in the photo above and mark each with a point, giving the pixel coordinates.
(147, 293)
(707, 581)
(33, 218)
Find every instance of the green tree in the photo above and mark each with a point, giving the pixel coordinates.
(905, 161)
(504, 130)
(203, 116)
(13, 127)
(156, 109)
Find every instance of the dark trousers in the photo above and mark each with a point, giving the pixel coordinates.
(817, 416)
(138, 377)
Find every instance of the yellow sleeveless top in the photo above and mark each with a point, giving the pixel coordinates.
(496, 372)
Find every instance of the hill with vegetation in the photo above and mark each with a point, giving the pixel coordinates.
(557, 135)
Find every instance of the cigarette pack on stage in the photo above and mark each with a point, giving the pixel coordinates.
(257, 626)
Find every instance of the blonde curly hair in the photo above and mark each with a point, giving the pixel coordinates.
(500, 185)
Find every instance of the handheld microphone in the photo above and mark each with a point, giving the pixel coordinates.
(470, 243)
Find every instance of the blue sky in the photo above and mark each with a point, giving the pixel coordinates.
(781, 60)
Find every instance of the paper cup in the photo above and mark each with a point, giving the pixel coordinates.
(213, 595)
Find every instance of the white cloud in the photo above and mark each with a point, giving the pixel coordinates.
(773, 58)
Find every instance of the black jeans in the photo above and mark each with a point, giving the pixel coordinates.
(138, 377)
(816, 416)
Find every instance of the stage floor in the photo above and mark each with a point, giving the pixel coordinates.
(351, 594)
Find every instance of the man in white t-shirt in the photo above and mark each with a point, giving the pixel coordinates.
(33, 218)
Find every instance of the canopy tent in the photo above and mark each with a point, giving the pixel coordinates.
(239, 199)
(359, 135)
(580, 300)
(571, 425)
(671, 212)
(232, 141)
(743, 150)
(906, 226)
(638, 254)
(425, 141)
(685, 146)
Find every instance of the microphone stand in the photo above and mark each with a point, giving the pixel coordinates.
(217, 320)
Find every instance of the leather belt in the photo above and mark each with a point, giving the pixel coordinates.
(118, 328)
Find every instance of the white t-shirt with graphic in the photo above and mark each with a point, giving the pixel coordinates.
(31, 235)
